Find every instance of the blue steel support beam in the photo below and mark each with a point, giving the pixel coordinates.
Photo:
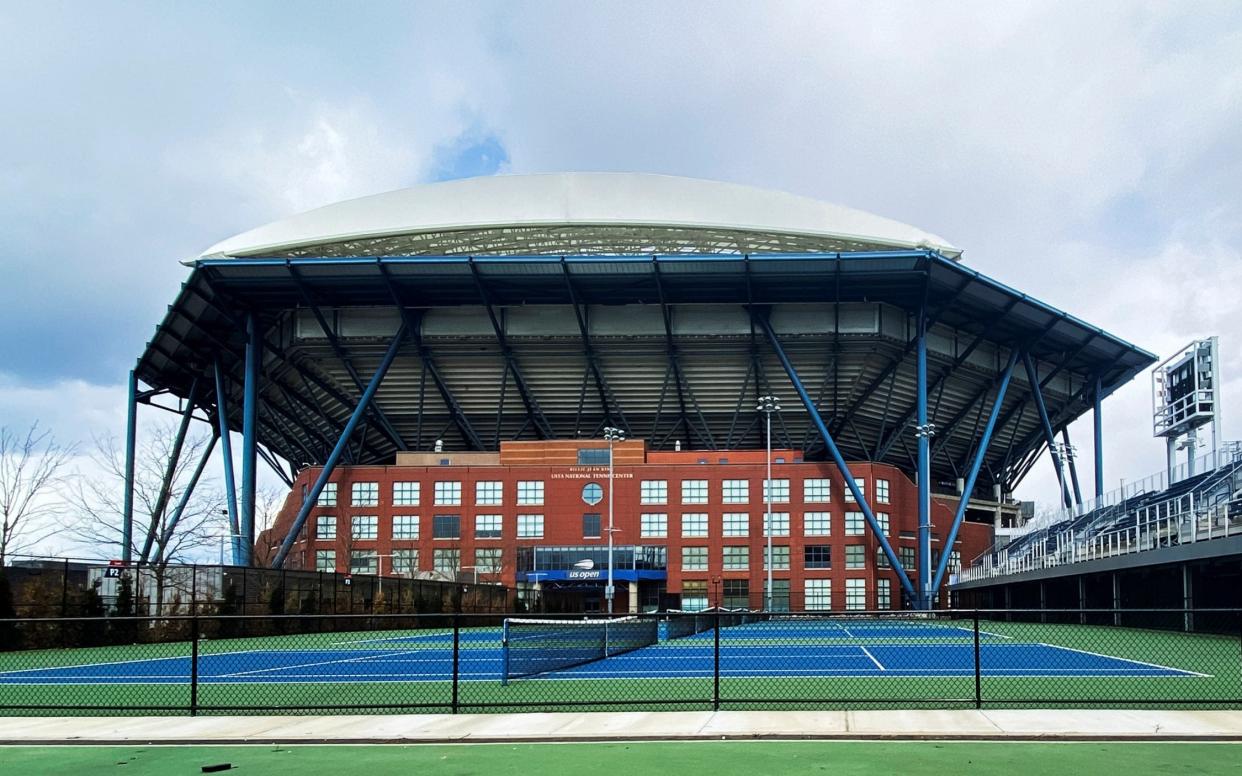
(1073, 468)
(184, 501)
(226, 459)
(250, 436)
(1098, 423)
(131, 434)
(835, 452)
(170, 471)
(1032, 376)
(924, 484)
(980, 454)
(329, 465)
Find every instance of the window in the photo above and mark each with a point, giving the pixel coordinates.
(653, 525)
(405, 561)
(448, 494)
(780, 491)
(590, 526)
(488, 526)
(592, 493)
(694, 524)
(363, 562)
(694, 491)
(736, 558)
(694, 559)
(883, 594)
(405, 494)
(364, 494)
(881, 491)
(817, 491)
(817, 523)
(817, 556)
(817, 594)
(736, 594)
(955, 562)
(908, 557)
(325, 527)
(405, 526)
(593, 456)
(862, 488)
(855, 594)
(881, 560)
(446, 561)
(653, 492)
(530, 526)
(489, 494)
(325, 560)
(446, 527)
(530, 493)
(855, 556)
(736, 524)
(882, 519)
(327, 496)
(780, 524)
(694, 595)
(364, 526)
(855, 524)
(780, 557)
(780, 594)
(736, 491)
(487, 560)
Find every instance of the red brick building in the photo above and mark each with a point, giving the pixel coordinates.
(689, 525)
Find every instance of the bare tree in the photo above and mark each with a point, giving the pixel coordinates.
(269, 501)
(32, 469)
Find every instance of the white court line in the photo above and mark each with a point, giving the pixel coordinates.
(867, 652)
(445, 635)
(1122, 659)
(847, 631)
(981, 633)
(127, 662)
(310, 665)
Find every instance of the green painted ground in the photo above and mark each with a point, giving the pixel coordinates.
(720, 758)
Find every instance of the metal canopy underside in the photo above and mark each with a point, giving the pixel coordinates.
(528, 347)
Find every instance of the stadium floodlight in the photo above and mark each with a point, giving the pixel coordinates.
(768, 405)
(612, 435)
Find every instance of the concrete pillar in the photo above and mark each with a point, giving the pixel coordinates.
(1188, 599)
(1116, 599)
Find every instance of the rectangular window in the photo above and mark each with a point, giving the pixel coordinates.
(364, 494)
(405, 561)
(855, 556)
(593, 456)
(694, 491)
(364, 526)
(855, 524)
(530, 526)
(817, 491)
(883, 594)
(325, 527)
(735, 491)
(405, 526)
(448, 494)
(488, 526)
(736, 594)
(881, 560)
(530, 493)
(653, 525)
(908, 557)
(862, 488)
(817, 556)
(694, 524)
(780, 557)
(882, 519)
(955, 563)
(446, 527)
(694, 559)
(693, 595)
(363, 562)
(591, 526)
(653, 492)
(780, 524)
(405, 494)
(489, 494)
(327, 496)
(881, 491)
(817, 594)
(325, 560)
(780, 491)
(780, 594)
(855, 594)
(736, 558)
(446, 561)
(488, 560)
(817, 523)
(736, 524)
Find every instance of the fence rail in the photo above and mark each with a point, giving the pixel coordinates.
(463, 662)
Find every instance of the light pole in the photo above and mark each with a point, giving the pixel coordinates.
(612, 435)
(768, 405)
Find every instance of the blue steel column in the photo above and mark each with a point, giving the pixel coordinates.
(924, 483)
(226, 458)
(330, 465)
(250, 437)
(1032, 375)
(131, 433)
(1073, 467)
(1098, 422)
(184, 501)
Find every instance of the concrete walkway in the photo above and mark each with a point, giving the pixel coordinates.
(1065, 725)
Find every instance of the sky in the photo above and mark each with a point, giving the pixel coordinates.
(1089, 154)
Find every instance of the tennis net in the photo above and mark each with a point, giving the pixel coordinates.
(533, 647)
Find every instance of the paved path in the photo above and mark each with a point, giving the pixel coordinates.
(633, 726)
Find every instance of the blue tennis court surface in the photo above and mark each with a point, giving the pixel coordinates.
(767, 649)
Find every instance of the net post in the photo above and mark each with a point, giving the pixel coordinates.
(716, 664)
(456, 660)
(504, 653)
(194, 665)
(978, 665)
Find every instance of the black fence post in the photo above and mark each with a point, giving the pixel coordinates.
(978, 666)
(456, 659)
(716, 663)
(194, 666)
